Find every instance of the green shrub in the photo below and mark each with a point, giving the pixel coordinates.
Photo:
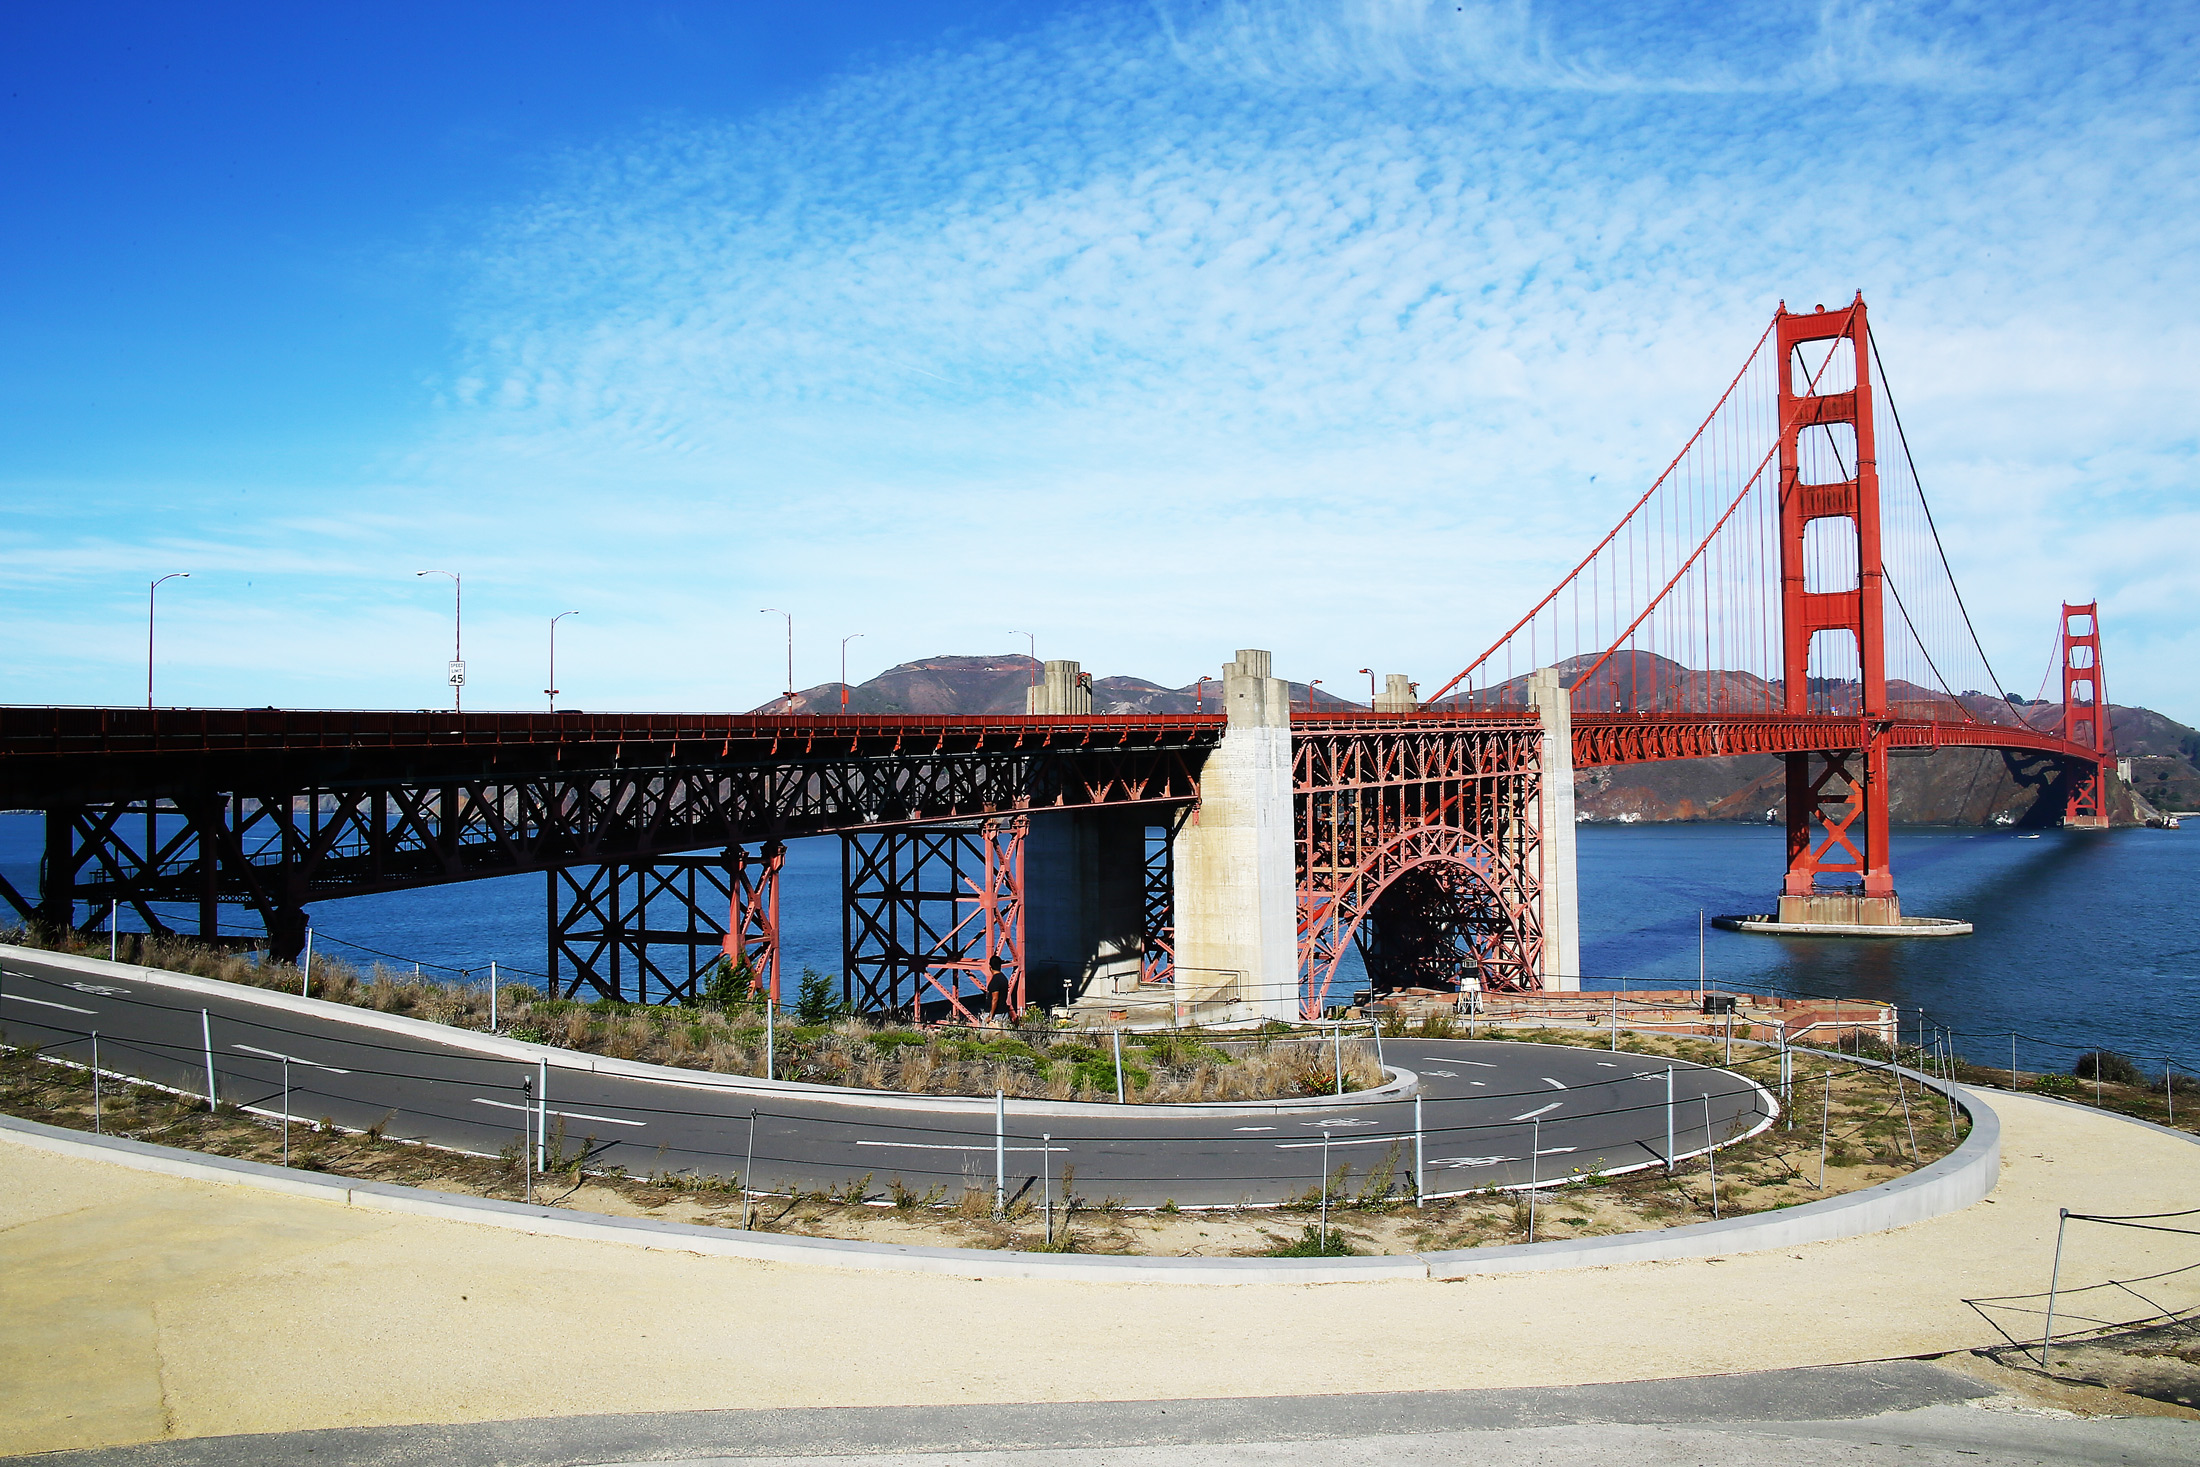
(1309, 1244)
(815, 1002)
(2107, 1065)
(727, 986)
(2055, 1085)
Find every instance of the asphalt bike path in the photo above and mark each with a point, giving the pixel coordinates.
(1493, 1113)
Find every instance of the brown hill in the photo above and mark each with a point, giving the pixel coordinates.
(997, 684)
(1951, 787)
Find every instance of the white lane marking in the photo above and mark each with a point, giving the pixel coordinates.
(47, 1003)
(1336, 1125)
(274, 1055)
(1478, 1082)
(1355, 1141)
(943, 1146)
(1467, 1161)
(1606, 1065)
(1531, 1115)
(1478, 1064)
(1447, 1074)
(571, 1115)
(99, 990)
(1549, 1081)
(1256, 1128)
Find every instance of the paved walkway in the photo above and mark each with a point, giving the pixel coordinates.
(139, 1307)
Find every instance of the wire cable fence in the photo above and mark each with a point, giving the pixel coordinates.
(699, 1125)
(2052, 1308)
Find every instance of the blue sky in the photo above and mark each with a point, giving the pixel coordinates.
(1157, 329)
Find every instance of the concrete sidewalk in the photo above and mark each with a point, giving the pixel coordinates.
(1902, 1409)
(141, 1308)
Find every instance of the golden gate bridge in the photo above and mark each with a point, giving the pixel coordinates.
(1780, 589)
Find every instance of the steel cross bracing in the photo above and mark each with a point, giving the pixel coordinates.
(932, 920)
(206, 807)
(1419, 836)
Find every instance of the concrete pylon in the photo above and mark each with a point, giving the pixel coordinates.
(1561, 900)
(1237, 920)
(1062, 689)
(1397, 695)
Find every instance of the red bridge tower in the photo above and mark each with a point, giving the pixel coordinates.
(1836, 800)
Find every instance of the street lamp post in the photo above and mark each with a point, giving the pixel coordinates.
(1310, 687)
(775, 611)
(1370, 685)
(457, 670)
(149, 593)
(1033, 643)
(552, 690)
(844, 641)
(1199, 697)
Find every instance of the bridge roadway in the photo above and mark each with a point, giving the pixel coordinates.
(1589, 1110)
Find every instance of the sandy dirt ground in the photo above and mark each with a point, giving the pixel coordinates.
(134, 1307)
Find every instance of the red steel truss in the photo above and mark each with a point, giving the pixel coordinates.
(752, 915)
(1438, 816)
(933, 921)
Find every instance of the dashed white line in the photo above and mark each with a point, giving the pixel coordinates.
(275, 1055)
(571, 1115)
(1256, 1128)
(1354, 1141)
(1336, 1125)
(1549, 1081)
(947, 1146)
(1531, 1115)
(47, 1003)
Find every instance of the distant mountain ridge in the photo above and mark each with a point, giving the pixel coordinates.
(1950, 787)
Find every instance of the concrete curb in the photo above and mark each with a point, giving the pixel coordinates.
(1948, 1185)
(1402, 1085)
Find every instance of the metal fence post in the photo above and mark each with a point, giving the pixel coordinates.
(492, 995)
(2054, 1279)
(1000, 1152)
(305, 968)
(1669, 1120)
(95, 1083)
(542, 1113)
(526, 1153)
(206, 1036)
(1535, 1169)
(286, 1110)
(1825, 1123)
(1119, 1100)
(1711, 1155)
(1046, 1183)
(748, 1176)
(1420, 1184)
(1325, 1190)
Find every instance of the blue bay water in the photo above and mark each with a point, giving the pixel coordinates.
(2083, 937)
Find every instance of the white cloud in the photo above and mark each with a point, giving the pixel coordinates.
(1339, 329)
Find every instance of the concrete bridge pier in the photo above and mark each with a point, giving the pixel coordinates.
(1560, 900)
(1236, 875)
(1084, 879)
